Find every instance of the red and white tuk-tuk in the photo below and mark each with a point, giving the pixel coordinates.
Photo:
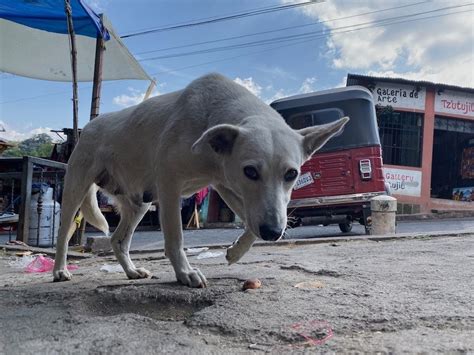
(337, 183)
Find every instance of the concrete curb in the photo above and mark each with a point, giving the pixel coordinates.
(435, 215)
(286, 242)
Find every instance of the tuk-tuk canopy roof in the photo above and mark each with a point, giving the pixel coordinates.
(322, 97)
(321, 107)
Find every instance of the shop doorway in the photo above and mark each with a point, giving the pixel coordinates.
(452, 174)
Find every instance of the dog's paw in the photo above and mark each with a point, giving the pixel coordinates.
(138, 273)
(234, 253)
(61, 275)
(192, 278)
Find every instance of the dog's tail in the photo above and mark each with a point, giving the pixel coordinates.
(91, 211)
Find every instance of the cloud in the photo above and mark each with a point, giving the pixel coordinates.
(461, 74)
(438, 49)
(134, 97)
(270, 93)
(10, 134)
(342, 83)
(280, 93)
(277, 72)
(307, 86)
(250, 85)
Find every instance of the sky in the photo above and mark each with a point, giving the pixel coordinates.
(438, 49)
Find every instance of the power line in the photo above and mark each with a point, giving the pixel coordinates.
(301, 42)
(281, 29)
(204, 18)
(265, 32)
(250, 53)
(223, 18)
(293, 37)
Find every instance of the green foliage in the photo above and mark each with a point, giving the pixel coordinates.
(40, 145)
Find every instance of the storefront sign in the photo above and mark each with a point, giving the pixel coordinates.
(403, 182)
(451, 102)
(399, 96)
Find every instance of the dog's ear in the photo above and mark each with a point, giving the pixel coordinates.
(220, 138)
(316, 136)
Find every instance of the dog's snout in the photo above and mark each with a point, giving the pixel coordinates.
(270, 233)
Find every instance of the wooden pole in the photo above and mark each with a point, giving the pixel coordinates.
(72, 41)
(26, 182)
(75, 102)
(97, 85)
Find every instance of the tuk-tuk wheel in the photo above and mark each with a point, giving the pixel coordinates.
(345, 227)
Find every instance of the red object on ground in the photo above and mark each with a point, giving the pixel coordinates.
(44, 264)
(316, 332)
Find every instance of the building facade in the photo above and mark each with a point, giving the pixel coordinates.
(427, 136)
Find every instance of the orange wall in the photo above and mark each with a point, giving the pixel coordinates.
(427, 155)
(425, 201)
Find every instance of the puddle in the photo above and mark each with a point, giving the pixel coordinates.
(154, 301)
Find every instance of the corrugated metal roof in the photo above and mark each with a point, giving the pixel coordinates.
(5, 143)
(359, 79)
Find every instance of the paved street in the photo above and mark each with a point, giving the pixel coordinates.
(151, 240)
(203, 237)
(395, 296)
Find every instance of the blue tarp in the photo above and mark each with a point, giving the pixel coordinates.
(49, 15)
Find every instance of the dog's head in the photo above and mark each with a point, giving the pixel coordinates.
(260, 165)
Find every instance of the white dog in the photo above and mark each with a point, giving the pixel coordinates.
(214, 132)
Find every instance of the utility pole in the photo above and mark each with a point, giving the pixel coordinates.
(97, 85)
(72, 43)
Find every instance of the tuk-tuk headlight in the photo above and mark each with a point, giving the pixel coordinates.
(365, 168)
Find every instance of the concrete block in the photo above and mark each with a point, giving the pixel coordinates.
(98, 244)
(384, 209)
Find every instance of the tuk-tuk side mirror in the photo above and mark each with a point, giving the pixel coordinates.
(316, 136)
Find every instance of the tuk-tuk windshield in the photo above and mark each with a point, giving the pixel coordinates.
(328, 106)
(354, 134)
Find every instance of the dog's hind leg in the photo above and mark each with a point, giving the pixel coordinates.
(243, 243)
(170, 218)
(130, 215)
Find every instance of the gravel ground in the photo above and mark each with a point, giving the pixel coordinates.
(411, 295)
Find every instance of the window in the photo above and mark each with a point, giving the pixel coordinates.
(401, 137)
(314, 118)
(453, 125)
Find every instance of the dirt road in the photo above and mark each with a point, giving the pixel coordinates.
(392, 296)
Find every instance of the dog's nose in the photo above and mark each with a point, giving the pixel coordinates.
(270, 233)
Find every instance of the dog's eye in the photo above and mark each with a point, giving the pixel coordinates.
(291, 174)
(251, 173)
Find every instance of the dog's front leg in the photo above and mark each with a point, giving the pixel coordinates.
(243, 243)
(170, 218)
(241, 246)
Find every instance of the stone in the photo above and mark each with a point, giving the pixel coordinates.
(98, 244)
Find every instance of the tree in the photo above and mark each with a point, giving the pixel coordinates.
(40, 145)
